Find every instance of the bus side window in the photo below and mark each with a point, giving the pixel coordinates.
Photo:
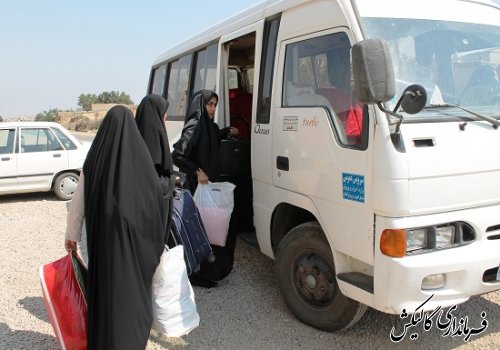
(159, 79)
(267, 70)
(205, 72)
(178, 83)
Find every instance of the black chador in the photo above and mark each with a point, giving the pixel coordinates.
(198, 148)
(149, 117)
(125, 219)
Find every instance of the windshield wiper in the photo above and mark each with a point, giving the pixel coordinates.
(490, 120)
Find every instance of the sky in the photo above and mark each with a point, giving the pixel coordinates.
(52, 51)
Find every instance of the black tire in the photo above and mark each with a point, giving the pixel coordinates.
(65, 185)
(306, 277)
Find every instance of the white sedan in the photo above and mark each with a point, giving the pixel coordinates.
(39, 156)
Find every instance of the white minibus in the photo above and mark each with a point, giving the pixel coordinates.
(372, 175)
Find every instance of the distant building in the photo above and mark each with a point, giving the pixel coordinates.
(88, 120)
(20, 118)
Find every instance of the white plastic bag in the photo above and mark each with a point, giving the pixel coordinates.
(215, 202)
(174, 307)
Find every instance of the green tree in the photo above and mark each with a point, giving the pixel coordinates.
(47, 116)
(86, 100)
(1, 119)
(114, 97)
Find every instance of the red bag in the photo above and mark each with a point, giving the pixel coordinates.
(63, 286)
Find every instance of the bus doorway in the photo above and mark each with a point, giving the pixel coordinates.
(239, 62)
(240, 74)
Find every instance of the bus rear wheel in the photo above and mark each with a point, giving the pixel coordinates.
(306, 277)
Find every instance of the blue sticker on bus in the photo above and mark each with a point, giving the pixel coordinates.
(353, 187)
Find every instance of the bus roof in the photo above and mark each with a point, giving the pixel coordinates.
(262, 9)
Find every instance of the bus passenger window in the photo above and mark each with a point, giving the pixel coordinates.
(205, 73)
(159, 79)
(178, 86)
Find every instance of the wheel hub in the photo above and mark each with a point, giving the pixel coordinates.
(311, 281)
(68, 185)
(314, 280)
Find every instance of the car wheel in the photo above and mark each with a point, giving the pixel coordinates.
(306, 277)
(65, 185)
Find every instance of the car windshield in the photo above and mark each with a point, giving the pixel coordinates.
(452, 48)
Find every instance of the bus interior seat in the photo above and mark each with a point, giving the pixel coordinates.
(240, 107)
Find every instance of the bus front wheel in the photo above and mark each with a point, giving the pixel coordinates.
(306, 277)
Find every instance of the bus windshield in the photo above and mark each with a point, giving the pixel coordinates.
(452, 49)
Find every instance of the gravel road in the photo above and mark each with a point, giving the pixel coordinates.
(244, 312)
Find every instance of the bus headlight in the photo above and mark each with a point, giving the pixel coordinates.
(416, 239)
(401, 242)
(445, 236)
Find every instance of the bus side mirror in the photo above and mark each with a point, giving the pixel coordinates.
(373, 71)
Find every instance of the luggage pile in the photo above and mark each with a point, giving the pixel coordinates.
(188, 229)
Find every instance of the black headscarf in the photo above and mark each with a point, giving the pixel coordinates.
(125, 220)
(198, 146)
(149, 118)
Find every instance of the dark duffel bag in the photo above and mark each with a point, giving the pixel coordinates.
(187, 229)
(242, 216)
(235, 157)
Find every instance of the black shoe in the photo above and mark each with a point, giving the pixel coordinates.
(202, 282)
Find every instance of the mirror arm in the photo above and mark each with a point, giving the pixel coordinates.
(396, 137)
(400, 101)
(394, 114)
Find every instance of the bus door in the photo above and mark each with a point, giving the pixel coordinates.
(239, 57)
(320, 138)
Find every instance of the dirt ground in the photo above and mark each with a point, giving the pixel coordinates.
(245, 311)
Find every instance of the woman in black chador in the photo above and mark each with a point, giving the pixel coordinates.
(197, 154)
(125, 217)
(150, 117)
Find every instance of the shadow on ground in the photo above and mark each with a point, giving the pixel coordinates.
(36, 307)
(16, 340)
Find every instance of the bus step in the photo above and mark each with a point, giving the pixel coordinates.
(358, 279)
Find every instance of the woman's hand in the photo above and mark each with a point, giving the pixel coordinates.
(69, 245)
(202, 177)
(233, 131)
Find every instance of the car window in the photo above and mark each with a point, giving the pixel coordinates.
(7, 141)
(38, 140)
(67, 143)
